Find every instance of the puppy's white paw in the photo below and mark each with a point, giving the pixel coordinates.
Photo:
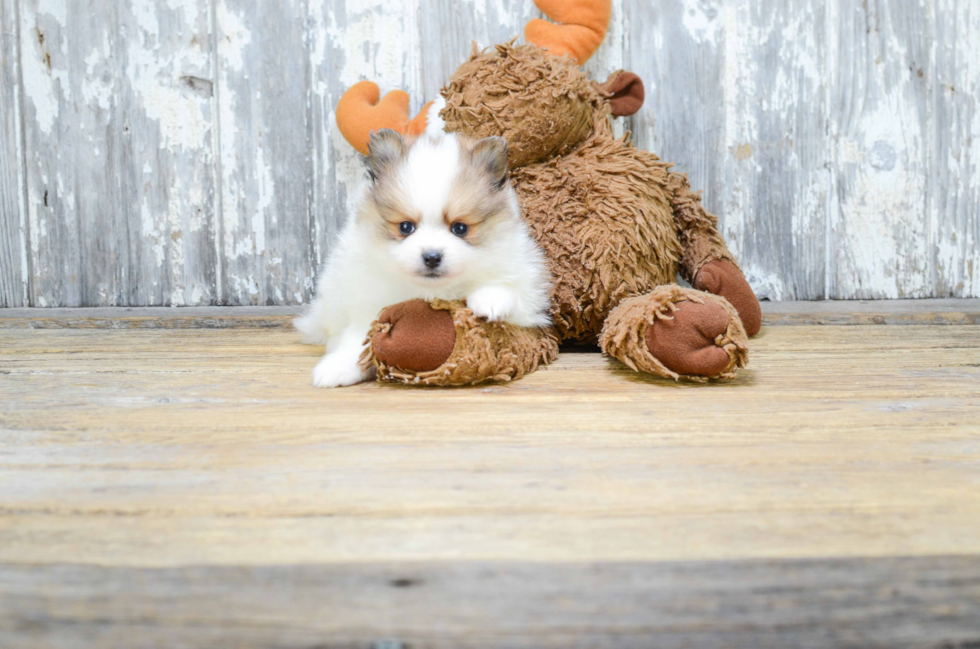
(337, 371)
(491, 302)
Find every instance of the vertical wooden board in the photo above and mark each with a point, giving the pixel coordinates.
(168, 105)
(349, 41)
(13, 248)
(449, 28)
(333, 163)
(954, 188)
(266, 184)
(676, 47)
(879, 120)
(118, 147)
(167, 121)
(776, 145)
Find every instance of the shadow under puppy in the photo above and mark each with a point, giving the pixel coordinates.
(438, 220)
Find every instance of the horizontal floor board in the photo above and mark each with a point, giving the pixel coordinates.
(931, 311)
(206, 446)
(894, 603)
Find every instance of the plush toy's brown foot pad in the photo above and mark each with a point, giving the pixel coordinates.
(685, 342)
(723, 278)
(415, 338)
(443, 343)
(678, 333)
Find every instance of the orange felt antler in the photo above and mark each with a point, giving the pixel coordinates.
(359, 112)
(582, 26)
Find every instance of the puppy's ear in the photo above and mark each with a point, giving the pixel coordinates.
(490, 155)
(384, 150)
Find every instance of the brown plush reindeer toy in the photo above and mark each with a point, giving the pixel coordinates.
(616, 224)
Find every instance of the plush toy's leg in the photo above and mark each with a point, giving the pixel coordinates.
(707, 264)
(443, 343)
(678, 333)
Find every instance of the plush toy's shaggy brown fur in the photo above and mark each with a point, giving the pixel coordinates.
(602, 215)
(628, 332)
(542, 105)
(616, 224)
(480, 351)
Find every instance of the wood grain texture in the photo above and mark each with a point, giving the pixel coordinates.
(879, 244)
(209, 447)
(189, 488)
(950, 311)
(185, 153)
(449, 29)
(776, 145)
(896, 603)
(266, 180)
(207, 317)
(120, 180)
(954, 188)
(14, 273)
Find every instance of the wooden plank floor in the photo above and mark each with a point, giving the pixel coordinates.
(172, 488)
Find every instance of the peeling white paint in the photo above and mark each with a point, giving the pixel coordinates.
(146, 19)
(234, 38)
(265, 188)
(881, 238)
(44, 86)
(955, 186)
(56, 9)
(155, 75)
(741, 125)
(702, 20)
(379, 42)
(148, 227)
(198, 296)
(767, 285)
(23, 243)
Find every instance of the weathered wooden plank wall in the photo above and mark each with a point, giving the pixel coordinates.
(184, 152)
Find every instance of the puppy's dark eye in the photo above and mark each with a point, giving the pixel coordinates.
(406, 227)
(460, 229)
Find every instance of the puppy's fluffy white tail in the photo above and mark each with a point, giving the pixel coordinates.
(310, 327)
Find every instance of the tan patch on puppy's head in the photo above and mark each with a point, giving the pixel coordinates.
(387, 202)
(385, 150)
(477, 198)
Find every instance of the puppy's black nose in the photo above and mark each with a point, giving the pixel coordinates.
(432, 259)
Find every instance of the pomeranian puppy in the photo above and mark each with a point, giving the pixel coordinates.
(438, 219)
